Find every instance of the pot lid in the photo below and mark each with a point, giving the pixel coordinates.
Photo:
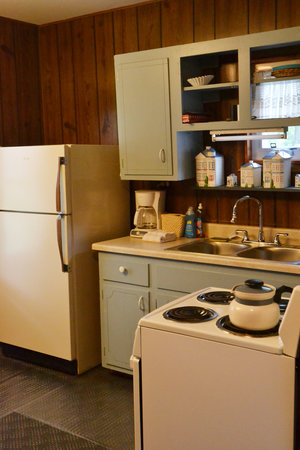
(254, 289)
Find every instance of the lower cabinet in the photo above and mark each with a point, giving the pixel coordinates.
(132, 286)
(121, 309)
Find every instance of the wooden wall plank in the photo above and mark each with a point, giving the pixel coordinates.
(204, 20)
(231, 18)
(106, 78)
(262, 15)
(177, 22)
(28, 92)
(149, 26)
(50, 88)
(288, 13)
(67, 85)
(8, 86)
(180, 196)
(87, 116)
(209, 202)
(125, 30)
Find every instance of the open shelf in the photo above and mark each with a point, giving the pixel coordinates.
(254, 189)
(274, 79)
(218, 86)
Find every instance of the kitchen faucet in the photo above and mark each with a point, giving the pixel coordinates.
(260, 215)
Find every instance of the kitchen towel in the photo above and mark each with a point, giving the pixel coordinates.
(159, 236)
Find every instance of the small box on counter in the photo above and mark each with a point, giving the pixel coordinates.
(297, 180)
(173, 223)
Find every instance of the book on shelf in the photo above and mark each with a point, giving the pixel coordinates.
(194, 117)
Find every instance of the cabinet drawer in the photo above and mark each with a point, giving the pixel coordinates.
(124, 269)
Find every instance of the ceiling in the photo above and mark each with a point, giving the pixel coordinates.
(46, 11)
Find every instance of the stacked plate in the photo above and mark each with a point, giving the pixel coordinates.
(200, 81)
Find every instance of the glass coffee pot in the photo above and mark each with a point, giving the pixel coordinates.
(145, 218)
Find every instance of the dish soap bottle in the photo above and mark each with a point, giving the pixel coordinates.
(199, 222)
(190, 223)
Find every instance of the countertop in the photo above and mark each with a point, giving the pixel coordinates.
(134, 246)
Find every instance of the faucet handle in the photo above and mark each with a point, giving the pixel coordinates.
(276, 238)
(245, 235)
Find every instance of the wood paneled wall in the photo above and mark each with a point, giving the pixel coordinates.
(20, 118)
(78, 92)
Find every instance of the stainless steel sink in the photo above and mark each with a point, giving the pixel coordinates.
(262, 251)
(212, 247)
(283, 254)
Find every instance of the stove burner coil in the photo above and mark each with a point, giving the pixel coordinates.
(190, 314)
(224, 324)
(218, 297)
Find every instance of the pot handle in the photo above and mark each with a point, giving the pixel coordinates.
(235, 286)
(280, 291)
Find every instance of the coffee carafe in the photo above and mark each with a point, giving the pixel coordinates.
(145, 218)
(149, 206)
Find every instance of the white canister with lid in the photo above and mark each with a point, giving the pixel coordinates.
(253, 307)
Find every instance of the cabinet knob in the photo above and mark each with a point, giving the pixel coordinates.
(122, 269)
(141, 304)
(162, 155)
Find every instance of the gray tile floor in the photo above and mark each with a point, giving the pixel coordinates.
(45, 409)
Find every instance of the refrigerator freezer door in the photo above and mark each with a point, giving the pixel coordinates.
(34, 300)
(32, 179)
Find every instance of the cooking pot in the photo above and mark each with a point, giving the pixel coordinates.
(253, 307)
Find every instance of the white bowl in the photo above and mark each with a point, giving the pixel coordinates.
(200, 81)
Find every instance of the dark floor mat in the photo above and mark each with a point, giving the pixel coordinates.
(20, 432)
(97, 406)
(9, 368)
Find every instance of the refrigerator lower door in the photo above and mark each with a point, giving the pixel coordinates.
(34, 291)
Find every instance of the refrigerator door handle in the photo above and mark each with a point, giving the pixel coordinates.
(60, 183)
(60, 242)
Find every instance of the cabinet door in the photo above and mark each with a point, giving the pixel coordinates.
(121, 310)
(164, 297)
(143, 106)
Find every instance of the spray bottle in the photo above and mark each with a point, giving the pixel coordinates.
(199, 222)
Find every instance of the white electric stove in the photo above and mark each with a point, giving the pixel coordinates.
(206, 384)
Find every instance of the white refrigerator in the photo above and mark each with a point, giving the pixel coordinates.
(55, 201)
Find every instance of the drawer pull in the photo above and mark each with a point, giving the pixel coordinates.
(123, 269)
(141, 304)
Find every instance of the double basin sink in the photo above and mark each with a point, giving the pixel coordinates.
(262, 251)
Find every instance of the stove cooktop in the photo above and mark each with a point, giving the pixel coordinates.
(207, 329)
(283, 340)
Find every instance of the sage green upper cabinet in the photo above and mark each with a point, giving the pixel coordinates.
(144, 109)
(158, 140)
(149, 147)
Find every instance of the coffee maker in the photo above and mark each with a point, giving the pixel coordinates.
(149, 206)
